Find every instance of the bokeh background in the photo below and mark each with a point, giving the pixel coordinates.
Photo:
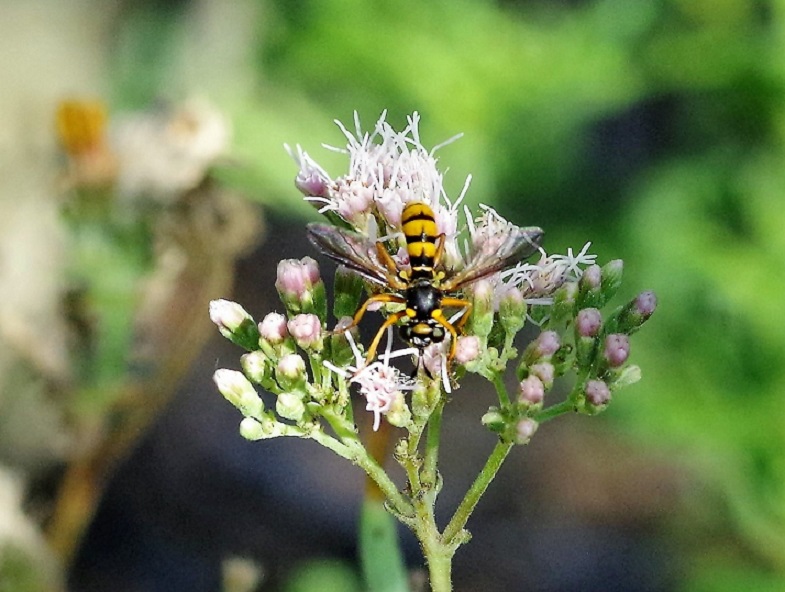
(654, 129)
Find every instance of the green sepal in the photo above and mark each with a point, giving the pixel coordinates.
(348, 293)
(246, 335)
(612, 273)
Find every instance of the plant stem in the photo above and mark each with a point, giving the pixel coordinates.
(466, 507)
(432, 444)
(554, 411)
(439, 558)
(360, 456)
(368, 464)
(501, 390)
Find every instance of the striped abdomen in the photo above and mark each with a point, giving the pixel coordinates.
(419, 227)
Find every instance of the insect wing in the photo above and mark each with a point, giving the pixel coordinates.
(486, 261)
(349, 249)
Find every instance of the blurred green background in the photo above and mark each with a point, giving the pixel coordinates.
(654, 128)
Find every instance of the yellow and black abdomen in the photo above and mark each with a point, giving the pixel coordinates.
(419, 226)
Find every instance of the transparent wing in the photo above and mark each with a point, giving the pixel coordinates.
(349, 249)
(485, 262)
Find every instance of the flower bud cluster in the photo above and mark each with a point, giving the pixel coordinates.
(278, 347)
(577, 338)
(602, 344)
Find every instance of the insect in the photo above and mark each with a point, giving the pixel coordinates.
(426, 288)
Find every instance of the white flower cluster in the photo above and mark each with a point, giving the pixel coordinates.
(382, 385)
(388, 170)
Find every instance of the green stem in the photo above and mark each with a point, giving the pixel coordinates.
(331, 443)
(432, 444)
(360, 456)
(367, 463)
(554, 411)
(566, 406)
(439, 559)
(501, 390)
(478, 488)
(316, 367)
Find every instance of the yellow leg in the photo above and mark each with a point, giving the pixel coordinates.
(439, 317)
(459, 303)
(392, 267)
(388, 322)
(383, 298)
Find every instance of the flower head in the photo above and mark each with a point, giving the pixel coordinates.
(382, 385)
(387, 170)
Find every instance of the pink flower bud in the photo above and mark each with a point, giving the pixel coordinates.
(592, 277)
(588, 322)
(311, 268)
(617, 349)
(524, 430)
(306, 330)
(227, 315)
(646, 304)
(273, 328)
(545, 372)
(432, 358)
(467, 349)
(597, 392)
(532, 390)
(547, 343)
(296, 277)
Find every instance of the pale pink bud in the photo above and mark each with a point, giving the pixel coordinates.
(227, 315)
(311, 268)
(592, 277)
(545, 372)
(291, 366)
(532, 390)
(617, 349)
(597, 392)
(646, 304)
(306, 330)
(524, 430)
(467, 349)
(547, 343)
(588, 322)
(296, 277)
(432, 358)
(312, 184)
(273, 328)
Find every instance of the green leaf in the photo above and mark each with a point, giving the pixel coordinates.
(380, 553)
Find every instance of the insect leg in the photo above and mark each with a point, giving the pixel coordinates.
(437, 257)
(388, 322)
(438, 316)
(459, 303)
(383, 298)
(392, 267)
